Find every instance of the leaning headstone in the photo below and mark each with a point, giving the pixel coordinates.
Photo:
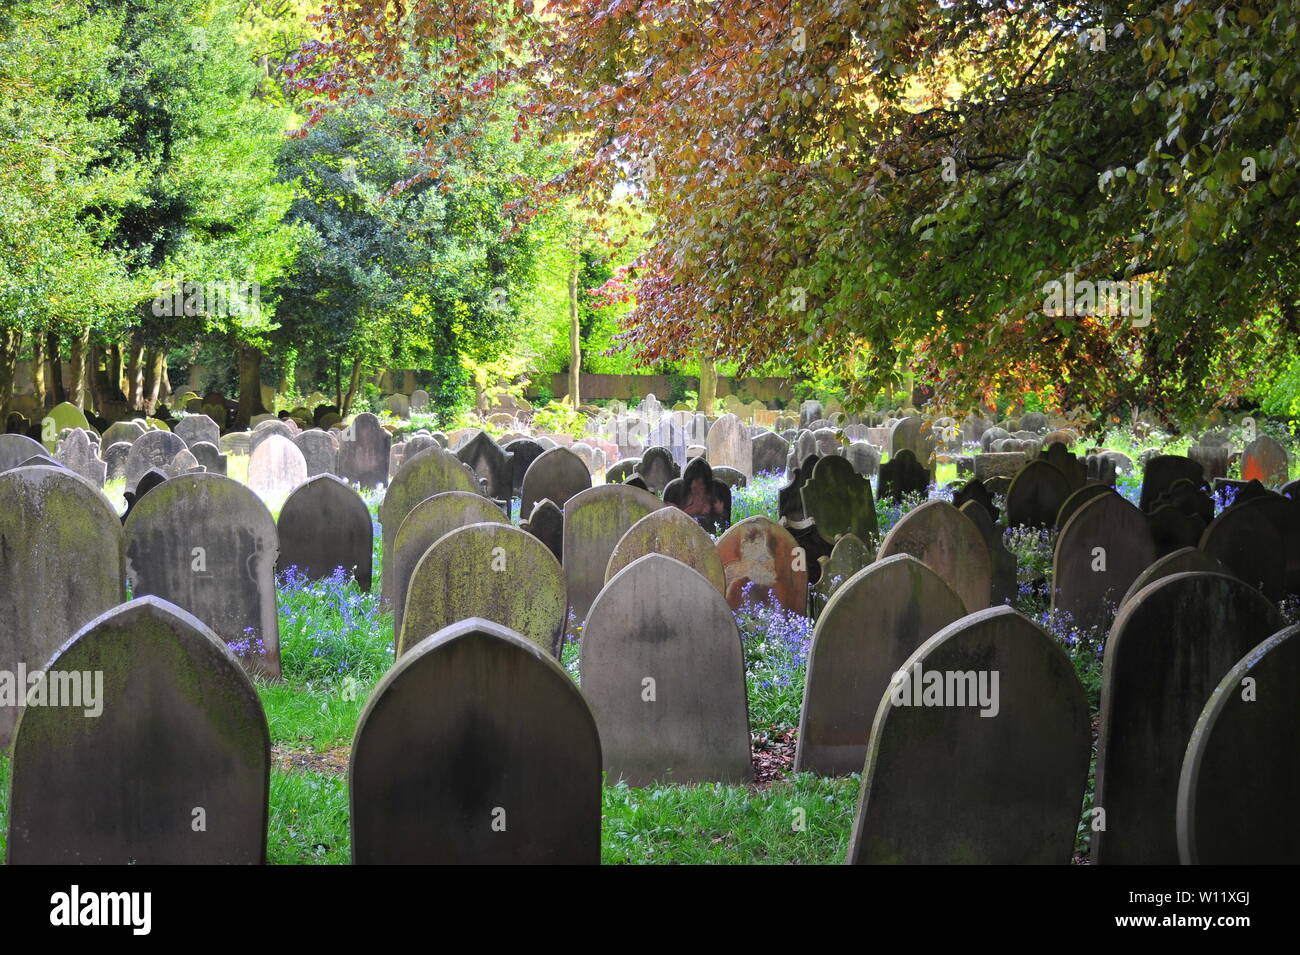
(195, 428)
(595, 520)
(1009, 787)
(847, 557)
(557, 475)
(1036, 496)
(180, 733)
(155, 449)
(701, 495)
(324, 525)
(1240, 779)
(475, 748)
(838, 501)
(1167, 651)
(730, 445)
(674, 534)
(761, 561)
(872, 623)
(60, 560)
(319, 450)
(78, 454)
(1100, 551)
(949, 543)
(276, 467)
(546, 523)
(209, 545)
(17, 448)
(419, 478)
(422, 527)
(363, 452)
(494, 571)
(663, 671)
(1266, 461)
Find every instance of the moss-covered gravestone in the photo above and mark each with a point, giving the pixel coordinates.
(979, 751)
(475, 747)
(847, 557)
(1100, 551)
(63, 416)
(324, 525)
(673, 533)
(949, 543)
(1240, 780)
(1171, 644)
(490, 570)
(174, 767)
(838, 500)
(663, 671)
(432, 471)
(761, 561)
(595, 520)
(209, 545)
(60, 560)
(872, 623)
(421, 528)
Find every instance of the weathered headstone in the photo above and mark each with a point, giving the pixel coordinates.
(730, 445)
(701, 495)
(430, 472)
(838, 501)
(195, 428)
(657, 468)
(1101, 550)
(674, 534)
(595, 520)
(324, 525)
(154, 449)
(523, 452)
(1008, 787)
(769, 453)
(475, 748)
(546, 523)
(1185, 560)
(1257, 542)
(276, 467)
(1163, 470)
(663, 671)
(950, 544)
(872, 623)
(491, 464)
(1036, 495)
(1265, 460)
(761, 560)
(902, 474)
(209, 457)
(557, 475)
(180, 739)
(78, 454)
(209, 545)
(363, 452)
(319, 450)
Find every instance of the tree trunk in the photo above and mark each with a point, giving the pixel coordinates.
(38, 371)
(56, 369)
(575, 335)
(135, 375)
(155, 365)
(77, 373)
(708, 386)
(9, 339)
(354, 383)
(115, 372)
(408, 382)
(250, 386)
(338, 382)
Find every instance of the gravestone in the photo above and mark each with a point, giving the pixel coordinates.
(490, 570)
(838, 501)
(319, 451)
(1212, 459)
(17, 448)
(657, 468)
(864, 457)
(1036, 495)
(1167, 651)
(1101, 550)
(184, 463)
(730, 445)
(976, 491)
(546, 523)
(950, 544)
(78, 454)
(761, 561)
(1266, 461)
(789, 498)
(195, 428)
(430, 472)
(1079, 498)
(324, 525)
(1173, 530)
(1071, 468)
(127, 431)
(594, 521)
(209, 457)
(769, 452)
(1183, 561)
(1240, 780)
(209, 545)
(872, 623)
(491, 464)
(523, 452)
(115, 456)
(847, 557)
(276, 467)
(902, 474)
(999, 464)
(1009, 788)
(663, 672)
(363, 452)
(60, 560)
(557, 475)
(673, 439)
(1163, 470)
(912, 434)
(701, 496)
(272, 427)
(63, 416)
(422, 527)
(154, 449)
(180, 731)
(475, 748)
(1002, 563)
(1257, 542)
(674, 534)
(419, 401)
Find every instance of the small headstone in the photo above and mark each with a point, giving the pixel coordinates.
(154, 449)
(1163, 470)
(1266, 461)
(769, 452)
(324, 525)
(78, 454)
(209, 457)
(546, 523)
(657, 468)
(761, 561)
(700, 495)
(902, 474)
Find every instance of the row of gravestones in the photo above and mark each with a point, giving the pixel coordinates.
(477, 746)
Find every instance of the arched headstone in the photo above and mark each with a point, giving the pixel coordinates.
(670, 532)
(154, 449)
(556, 475)
(595, 520)
(363, 452)
(433, 471)
(761, 557)
(276, 467)
(324, 525)
(1100, 551)
(949, 543)
(1036, 495)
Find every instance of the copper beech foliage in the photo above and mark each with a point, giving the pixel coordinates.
(882, 186)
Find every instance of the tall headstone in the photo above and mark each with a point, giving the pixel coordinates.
(730, 445)
(319, 450)
(1100, 551)
(363, 452)
(663, 671)
(594, 521)
(179, 739)
(433, 471)
(949, 543)
(475, 748)
(1036, 495)
(838, 501)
